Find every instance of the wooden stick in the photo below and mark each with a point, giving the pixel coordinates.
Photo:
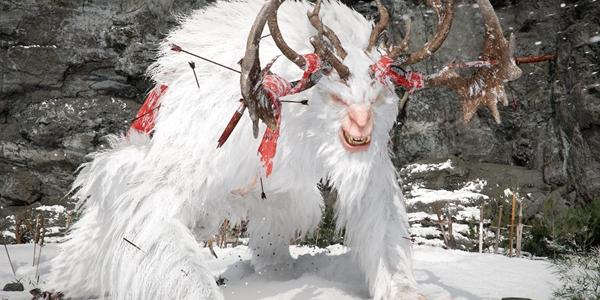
(481, 229)
(512, 225)
(520, 229)
(10, 261)
(438, 212)
(39, 256)
(498, 229)
(519, 60)
(535, 58)
(36, 236)
(450, 230)
(18, 233)
(69, 220)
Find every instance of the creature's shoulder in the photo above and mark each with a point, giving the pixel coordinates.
(219, 32)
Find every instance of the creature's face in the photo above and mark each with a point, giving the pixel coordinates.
(366, 104)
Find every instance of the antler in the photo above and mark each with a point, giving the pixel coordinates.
(486, 86)
(445, 16)
(321, 48)
(280, 42)
(254, 98)
(258, 107)
(384, 20)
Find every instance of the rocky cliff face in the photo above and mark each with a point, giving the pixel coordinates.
(551, 126)
(72, 72)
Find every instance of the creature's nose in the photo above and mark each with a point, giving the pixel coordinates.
(360, 114)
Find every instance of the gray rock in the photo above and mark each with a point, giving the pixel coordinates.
(551, 129)
(13, 287)
(72, 72)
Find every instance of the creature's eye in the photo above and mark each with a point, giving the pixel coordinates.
(379, 99)
(337, 99)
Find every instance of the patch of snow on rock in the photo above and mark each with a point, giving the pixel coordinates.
(52, 208)
(421, 168)
(466, 194)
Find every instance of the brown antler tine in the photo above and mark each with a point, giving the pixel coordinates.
(395, 51)
(493, 29)
(442, 30)
(384, 20)
(319, 45)
(326, 55)
(313, 17)
(513, 72)
(407, 32)
(496, 47)
(281, 44)
(436, 5)
(331, 36)
(445, 77)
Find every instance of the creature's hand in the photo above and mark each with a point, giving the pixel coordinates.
(395, 286)
(403, 294)
(243, 191)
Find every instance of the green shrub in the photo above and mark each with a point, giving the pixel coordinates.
(579, 275)
(564, 229)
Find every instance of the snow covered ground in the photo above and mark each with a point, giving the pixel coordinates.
(331, 274)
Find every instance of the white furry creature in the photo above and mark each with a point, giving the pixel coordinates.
(168, 192)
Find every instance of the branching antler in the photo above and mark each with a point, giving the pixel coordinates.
(445, 16)
(258, 105)
(258, 108)
(486, 86)
(321, 47)
(314, 19)
(384, 20)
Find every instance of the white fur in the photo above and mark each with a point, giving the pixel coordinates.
(167, 193)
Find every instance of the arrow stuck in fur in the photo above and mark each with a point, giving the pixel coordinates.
(134, 245)
(193, 66)
(177, 48)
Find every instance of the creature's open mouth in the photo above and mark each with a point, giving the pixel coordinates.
(355, 143)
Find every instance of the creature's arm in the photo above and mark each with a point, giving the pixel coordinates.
(377, 229)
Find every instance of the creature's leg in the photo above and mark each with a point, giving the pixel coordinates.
(275, 221)
(377, 231)
(145, 250)
(169, 266)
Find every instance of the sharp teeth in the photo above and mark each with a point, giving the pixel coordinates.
(357, 140)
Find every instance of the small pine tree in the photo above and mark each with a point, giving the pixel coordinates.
(326, 234)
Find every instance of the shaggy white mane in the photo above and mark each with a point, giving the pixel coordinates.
(167, 193)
